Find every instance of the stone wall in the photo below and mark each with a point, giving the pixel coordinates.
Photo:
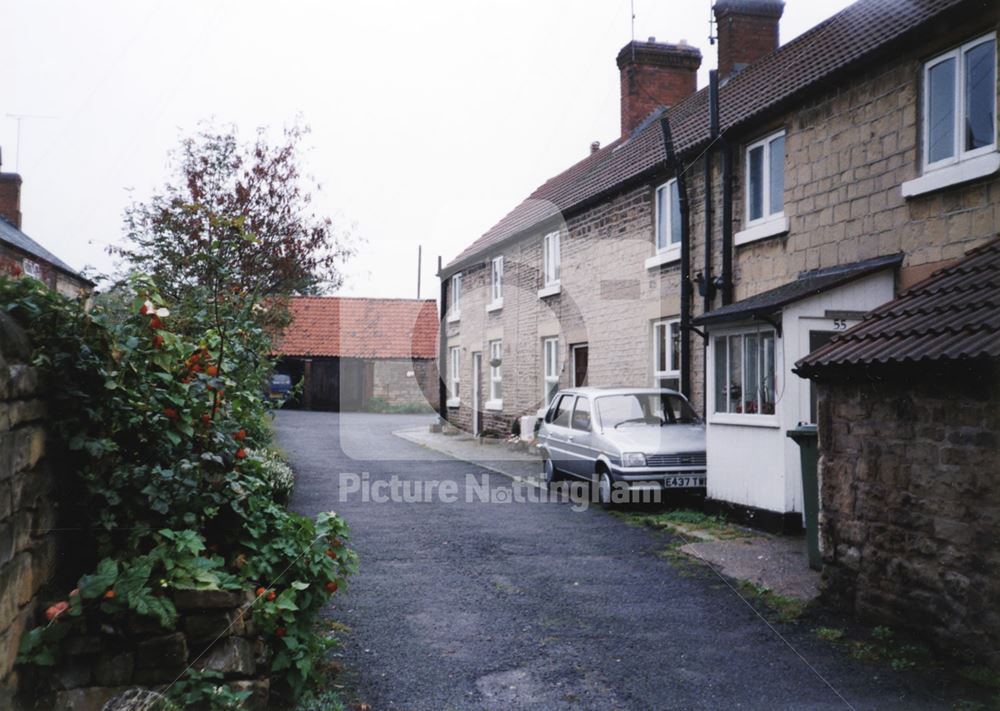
(27, 511)
(406, 383)
(215, 631)
(910, 491)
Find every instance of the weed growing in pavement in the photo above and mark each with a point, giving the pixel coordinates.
(685, 521)
(786, 609)
(829, 634)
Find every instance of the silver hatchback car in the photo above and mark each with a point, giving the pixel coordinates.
(618, 437)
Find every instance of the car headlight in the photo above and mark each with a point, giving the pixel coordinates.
(633, 459)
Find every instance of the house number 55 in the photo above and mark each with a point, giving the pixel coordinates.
(839, 324)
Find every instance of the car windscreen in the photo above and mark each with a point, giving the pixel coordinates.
(644, 408)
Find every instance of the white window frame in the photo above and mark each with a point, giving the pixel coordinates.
(673, 370)
(962, 166)
(769, 223)
(669, 251)
(455, 307)
(668, 242)
(31, 268)
(551, 368)
(551, 265)
(769, 419)
(496, 376)
(454, 375)
(958, 155)
(496, 284)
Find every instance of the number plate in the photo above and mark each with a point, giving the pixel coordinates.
(683, 482)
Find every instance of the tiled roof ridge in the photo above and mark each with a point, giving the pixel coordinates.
(746, 95)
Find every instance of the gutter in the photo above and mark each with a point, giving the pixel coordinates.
(678, 169)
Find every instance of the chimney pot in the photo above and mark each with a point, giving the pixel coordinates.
(654, 75)
(651, 39)
(747, 30)
(594, 147)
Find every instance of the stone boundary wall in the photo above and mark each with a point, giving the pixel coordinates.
(215, 631)
(910, 504)
(27, 511)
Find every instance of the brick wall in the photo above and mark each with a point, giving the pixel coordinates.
(27, 553)
(910, 503)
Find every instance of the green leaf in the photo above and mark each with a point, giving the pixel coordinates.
(299, 585)
(94, 585)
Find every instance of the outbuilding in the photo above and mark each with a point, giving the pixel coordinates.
(354, 354)
(909, 439)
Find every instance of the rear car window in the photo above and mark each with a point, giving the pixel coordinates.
(560, 415)
(581, 414)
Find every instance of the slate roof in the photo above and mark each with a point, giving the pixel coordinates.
(839, 44)
(332, 326)
(952, 315)
(807, 284)
(13, 236)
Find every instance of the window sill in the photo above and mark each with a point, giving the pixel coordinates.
(493, 405)
(727, 418)
(963, 172)
(494, 305)
(771, 228)
(550, 290)
(667, 256)
(454, 318)
(453, 402)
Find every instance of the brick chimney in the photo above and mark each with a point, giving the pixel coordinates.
(10, 197)
(655, 74)
(747, 30)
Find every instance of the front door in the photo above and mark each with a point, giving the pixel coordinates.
(477, 372)
(580, 354)
(817, 339)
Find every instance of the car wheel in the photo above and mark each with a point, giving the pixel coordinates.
(605, 487)
(551, 474)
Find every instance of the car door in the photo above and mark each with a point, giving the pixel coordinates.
(580, 438)
(558, 431)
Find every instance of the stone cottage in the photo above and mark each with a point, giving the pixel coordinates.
(729, 232)
(909, 434)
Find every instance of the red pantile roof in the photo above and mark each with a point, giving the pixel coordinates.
(953, 315)
(839, 44)
(334, 326)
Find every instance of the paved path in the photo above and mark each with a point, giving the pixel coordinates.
(509, 606)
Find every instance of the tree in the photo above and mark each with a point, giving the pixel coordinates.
(244, 208)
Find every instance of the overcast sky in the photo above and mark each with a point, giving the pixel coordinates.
(430, 120)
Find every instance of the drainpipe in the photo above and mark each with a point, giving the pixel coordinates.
(442, 349)
(727, 223)
(713, 122)
(678, 170)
